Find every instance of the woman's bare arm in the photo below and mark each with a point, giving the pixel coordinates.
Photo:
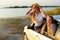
(28, 11)
(43, 12)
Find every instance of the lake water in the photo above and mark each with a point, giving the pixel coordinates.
(9, 31)
(15, 12)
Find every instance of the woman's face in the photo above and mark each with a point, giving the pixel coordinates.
(34, 8)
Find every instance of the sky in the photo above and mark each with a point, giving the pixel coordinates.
(4, 3)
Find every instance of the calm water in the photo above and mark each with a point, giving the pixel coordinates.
(15, 12)
(9, 31)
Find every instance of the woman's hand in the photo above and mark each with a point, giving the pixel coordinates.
(41, 9)
(33, 11)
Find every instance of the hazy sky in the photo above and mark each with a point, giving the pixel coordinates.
(28, 2)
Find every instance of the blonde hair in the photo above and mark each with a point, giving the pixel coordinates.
(32, 17)
(36, 5)
(32, 14)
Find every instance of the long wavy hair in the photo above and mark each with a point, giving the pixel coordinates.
(33, 14)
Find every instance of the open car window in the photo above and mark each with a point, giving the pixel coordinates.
(52, 36)
(44, 32)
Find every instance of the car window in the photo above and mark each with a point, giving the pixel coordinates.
(56, 35)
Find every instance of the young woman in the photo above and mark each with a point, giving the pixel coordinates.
(36, 15)
(51, 25)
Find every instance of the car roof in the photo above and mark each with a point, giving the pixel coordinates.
(56, 17)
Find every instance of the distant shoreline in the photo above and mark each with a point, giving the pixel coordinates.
(28, 6)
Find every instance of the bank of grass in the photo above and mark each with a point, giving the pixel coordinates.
(55, 11)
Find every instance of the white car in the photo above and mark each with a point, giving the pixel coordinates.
(30, 34)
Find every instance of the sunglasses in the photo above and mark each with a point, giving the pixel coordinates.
(35, 7)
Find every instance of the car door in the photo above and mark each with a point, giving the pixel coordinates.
(57, 36)
(32, 35)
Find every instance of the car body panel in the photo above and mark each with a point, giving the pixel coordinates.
(32, 35)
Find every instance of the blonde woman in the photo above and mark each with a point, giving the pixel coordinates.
(36, 15)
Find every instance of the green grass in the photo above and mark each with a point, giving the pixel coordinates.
(55, 11)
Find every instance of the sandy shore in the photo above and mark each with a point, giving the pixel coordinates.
(12, 28)
(11, 37)
(11, 33)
